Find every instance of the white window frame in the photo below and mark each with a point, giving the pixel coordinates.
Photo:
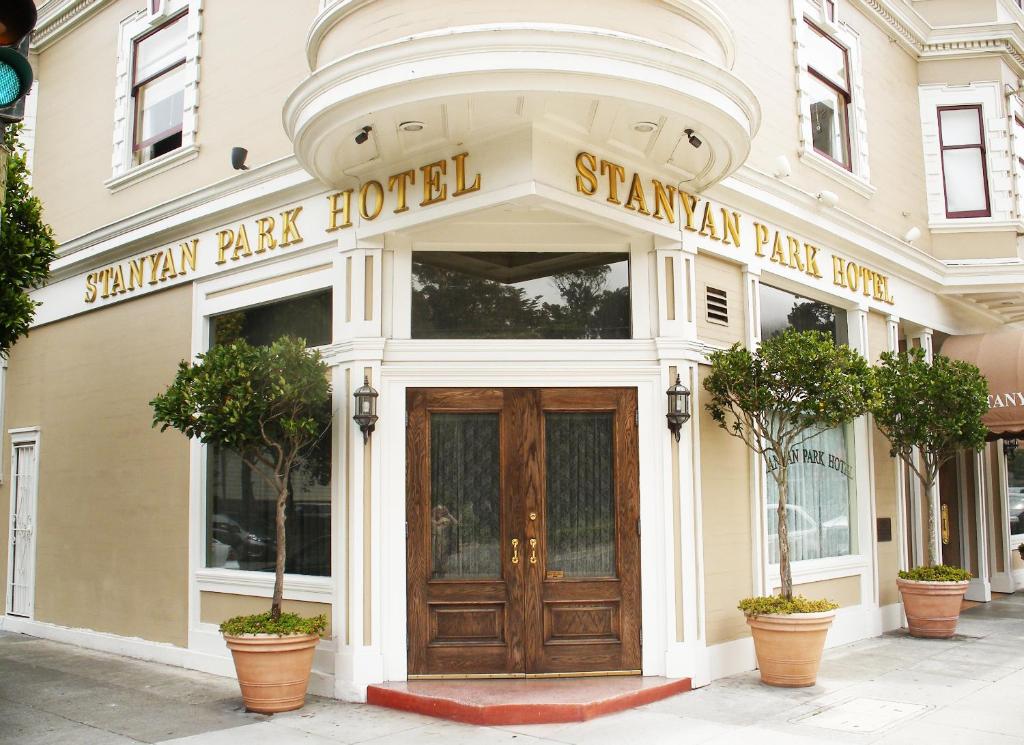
(23, 436)
(124, 170)
(1000, 158)
(858, 176)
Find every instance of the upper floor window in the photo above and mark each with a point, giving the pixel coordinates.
(964, 173)
(158, 90)
(829, 94)
(830, 90)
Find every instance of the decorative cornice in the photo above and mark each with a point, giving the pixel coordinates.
(58, 17)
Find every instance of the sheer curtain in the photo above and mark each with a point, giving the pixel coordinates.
(820, 498)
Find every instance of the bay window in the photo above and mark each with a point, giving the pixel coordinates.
(964, 171)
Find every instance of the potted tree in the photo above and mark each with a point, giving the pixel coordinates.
(269, 404)
(929, 411)
(796, 385)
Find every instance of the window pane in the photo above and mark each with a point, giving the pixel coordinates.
(241, 510)
(580, 497)
(819, 506)
(307, 317)
(829, 126)
(519, 295)
(827, 58)
(965, 181)
(160, 50)
(781, 310)
(1015, 481)
(960, 127)
(465, 496)
(160, 106)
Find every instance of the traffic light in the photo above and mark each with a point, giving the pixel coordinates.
(17, 19)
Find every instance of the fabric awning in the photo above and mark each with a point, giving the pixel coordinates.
(1000, 357)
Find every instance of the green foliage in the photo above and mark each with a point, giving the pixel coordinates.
(765, 605)
(796, 385)
(935, 407)
(27, 247)
(264, 623)
(937, 573)
(259, 401)
(270, 404)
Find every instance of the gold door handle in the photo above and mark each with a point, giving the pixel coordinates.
(945, 525)
(515, 550)
(533, 550)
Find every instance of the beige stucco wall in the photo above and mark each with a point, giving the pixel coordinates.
(764, 60)
(112, 517)
(215, 607)
(949, 12)
(722, 275)
(843, 590)
(252, 57)
(725, 511)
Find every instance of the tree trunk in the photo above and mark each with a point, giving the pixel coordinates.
(929, 499)
(282, 500)
(785, 572)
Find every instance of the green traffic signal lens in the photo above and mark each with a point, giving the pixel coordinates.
(10, 84)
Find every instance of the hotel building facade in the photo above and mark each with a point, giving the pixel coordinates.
(520, 223)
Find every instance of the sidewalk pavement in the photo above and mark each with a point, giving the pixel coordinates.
(892, 689)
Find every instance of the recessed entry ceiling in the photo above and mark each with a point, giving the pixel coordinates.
(602, 123)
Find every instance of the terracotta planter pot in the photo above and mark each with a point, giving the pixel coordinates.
(273, 671)
(789, 646)
(932, 608)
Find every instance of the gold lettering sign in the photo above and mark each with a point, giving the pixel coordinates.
(655, 199)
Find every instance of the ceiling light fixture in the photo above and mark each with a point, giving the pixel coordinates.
(411, 126)
(644, 127)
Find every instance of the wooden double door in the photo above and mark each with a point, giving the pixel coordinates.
(523, 541)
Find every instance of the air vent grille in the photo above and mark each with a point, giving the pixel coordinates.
(717, 303)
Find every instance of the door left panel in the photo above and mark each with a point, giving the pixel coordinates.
(463, 618)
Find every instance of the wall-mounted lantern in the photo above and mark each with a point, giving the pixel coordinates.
(1009, 446)
(366, 408)
(678, 407)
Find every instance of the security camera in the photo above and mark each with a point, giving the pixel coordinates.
(238, 155)
(364, 135)
(692, 138)
(828, 198)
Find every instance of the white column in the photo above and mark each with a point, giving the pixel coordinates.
(356, 354)
(758, 501)
(919, 504)
(903, 554)
(863, 427)
(676, 278)
(980, 588)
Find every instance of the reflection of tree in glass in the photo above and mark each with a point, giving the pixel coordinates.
(451, 304)
(447, 304)
(307, 317)
(813, 316)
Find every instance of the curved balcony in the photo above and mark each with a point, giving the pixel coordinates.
(467, 69)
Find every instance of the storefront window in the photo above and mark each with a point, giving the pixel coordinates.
(1015, 491)
(520, 295)
(821, 470)
(240, 504)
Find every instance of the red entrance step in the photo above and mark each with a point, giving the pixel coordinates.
(524, 701)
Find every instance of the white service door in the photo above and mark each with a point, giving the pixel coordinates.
(22, 554)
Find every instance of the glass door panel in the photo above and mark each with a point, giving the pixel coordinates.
(465, 496)
(580, 499)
